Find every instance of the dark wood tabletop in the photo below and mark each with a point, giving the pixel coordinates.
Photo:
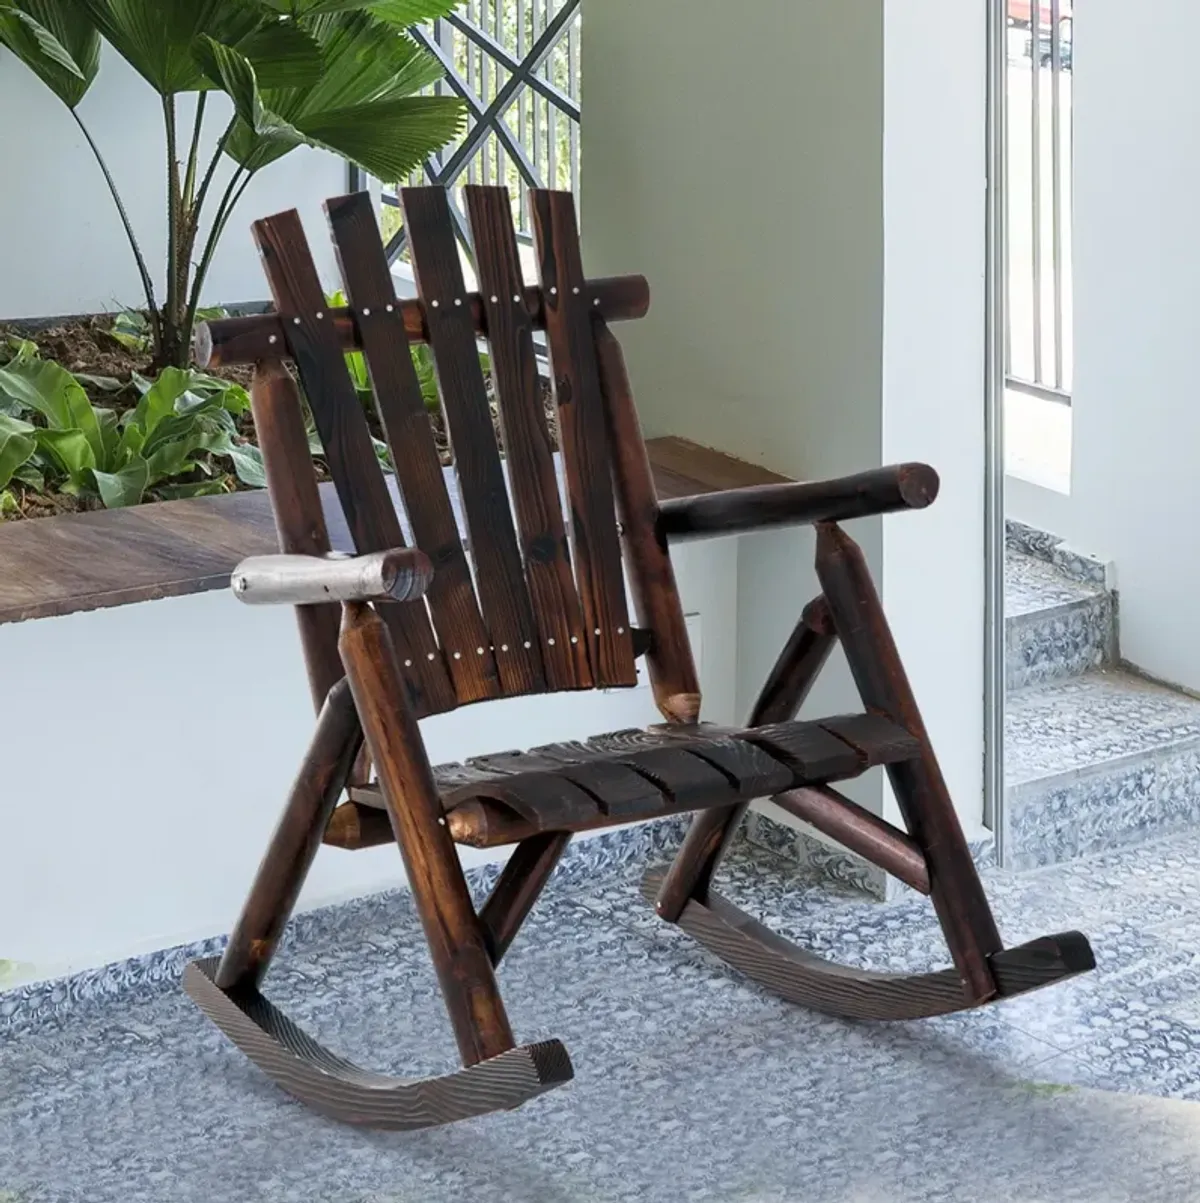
(78, 562)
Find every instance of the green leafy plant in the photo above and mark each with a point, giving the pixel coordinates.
(162, 447)
(341, 75)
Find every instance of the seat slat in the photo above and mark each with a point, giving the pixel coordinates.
(366, 504)
(583, 432)
(546, 800)
(405, 420)
(753, 772)
(527, 443)
(811, 752)
(499, 575)
(877, 739)
(688, 780)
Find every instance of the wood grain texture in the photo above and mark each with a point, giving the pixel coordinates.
(108, 558)
(673, 676)
(346, 440)
(452, 929)
(765, 507)
(801, 977)
(294, 844)
(929, 814)
(296, 503)
(335, 1087)
(584, 437)
(400, 405)
(521, 880)
(250, 339)
(500, 578)
(527, 443)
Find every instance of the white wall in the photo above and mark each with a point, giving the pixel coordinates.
(148, 751)
(62, 248)
(804, 191)
(1135, 489)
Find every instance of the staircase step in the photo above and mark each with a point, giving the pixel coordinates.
(1097, 761)
(1055, 625)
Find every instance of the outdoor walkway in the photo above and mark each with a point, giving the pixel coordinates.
(691, 1084)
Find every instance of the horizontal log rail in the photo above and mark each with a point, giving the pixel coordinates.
(760, 507)
(850, 825)
(263, 336)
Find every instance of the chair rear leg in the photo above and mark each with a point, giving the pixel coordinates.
(521, 881)
(289, 856)
(956, 891)
(455, 935)
(712, 831)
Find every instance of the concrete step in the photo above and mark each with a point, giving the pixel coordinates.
(1095, 762)
(1055, 625)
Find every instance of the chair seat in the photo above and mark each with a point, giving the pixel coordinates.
(640, 774)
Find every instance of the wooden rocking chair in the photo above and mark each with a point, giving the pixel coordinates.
(544, 609)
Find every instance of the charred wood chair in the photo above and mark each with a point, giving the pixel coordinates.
(535, 601)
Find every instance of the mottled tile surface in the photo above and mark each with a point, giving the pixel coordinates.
(1026, 540)
(691, 1083)
(1095, 762)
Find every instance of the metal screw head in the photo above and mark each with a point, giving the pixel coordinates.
(553, 291)
(528, 644)
(408, 664)
(494, 300)
(550, 642)
(434, 304)
(320, 315)
(597, 630)
(296, 321)
(479, 651)
(575, 290)
(620, 630)
(274, 338)
(458, 300)
(366, 312)
(458, 655)
(516, 299)
(574, 638)
(504, 647)
(595, 300)
(432, 656)
(391, 309)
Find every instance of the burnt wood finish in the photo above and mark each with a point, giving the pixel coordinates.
(521, 881)
(503, 594)
(294, 845)
(527, 443)
(233, 340)
(584, 437)
(920, 789)
(801, 977)
(338, 1088)
(672, 668)
(346, 440)
(299, 518)
(859, 830)
(787, 686)
(452, 928)
(535, 626)
(762, 507)
(405, 420)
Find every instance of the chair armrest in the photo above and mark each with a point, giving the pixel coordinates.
(402, 574)
(762, 507)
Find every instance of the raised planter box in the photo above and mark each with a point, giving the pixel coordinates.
(151, 725)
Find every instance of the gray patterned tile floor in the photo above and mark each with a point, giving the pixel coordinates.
(691, 1084)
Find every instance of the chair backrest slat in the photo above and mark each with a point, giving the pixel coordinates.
(402, 413)
(527, 443)
(583, 436)
(500, 578)
(346, 440)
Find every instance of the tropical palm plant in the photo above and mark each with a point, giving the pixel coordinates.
(341, 75)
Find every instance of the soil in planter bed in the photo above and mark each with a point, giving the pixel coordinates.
(86, 346)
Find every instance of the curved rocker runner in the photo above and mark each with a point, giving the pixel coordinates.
(396, 633)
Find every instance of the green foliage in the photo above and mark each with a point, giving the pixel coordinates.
(336, 74)
(53, 437)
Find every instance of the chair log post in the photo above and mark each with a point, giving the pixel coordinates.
(655, 593)
(712, 831)
(299, 518)
(294, 845)
(875, 664)
(456, 939)
(521, 881)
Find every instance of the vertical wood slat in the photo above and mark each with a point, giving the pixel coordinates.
(672, 667)
(366, 503)
(584, 438)
(503, 595)
(527, 442)
(401, 408)
(299, 518)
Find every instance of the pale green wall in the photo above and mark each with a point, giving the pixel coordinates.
(802, 183)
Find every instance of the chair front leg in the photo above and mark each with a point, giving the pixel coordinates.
(455, 935)
(782, 695)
